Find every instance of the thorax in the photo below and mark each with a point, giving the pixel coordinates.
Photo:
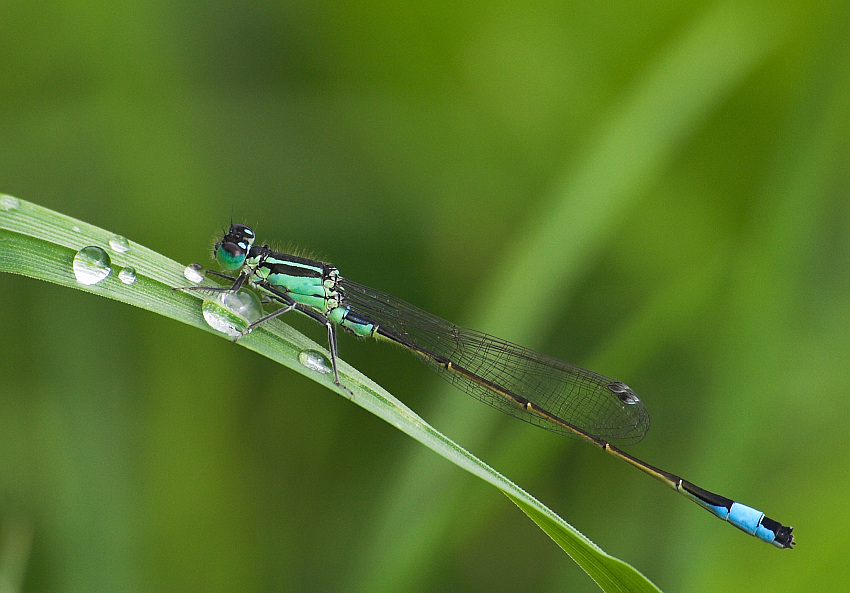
(306, 281)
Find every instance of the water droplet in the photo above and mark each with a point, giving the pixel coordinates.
(119, 244)
(315, 361)
(127, 275)
(8, 203)
(232, 312)
(194, 273)
(76, 229)
(91, 265)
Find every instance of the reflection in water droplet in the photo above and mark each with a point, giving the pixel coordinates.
(91, 265)
(119, 243)
(127, 275)
(316, 361)
(76, 229)
(8, 203)
(194, 273)
(232, 312)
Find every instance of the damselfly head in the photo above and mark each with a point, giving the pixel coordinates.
(232, 250)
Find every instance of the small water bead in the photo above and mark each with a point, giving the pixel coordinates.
(76, 229)
(91, 265)
(127, 275)
(315, 361)
(119, 244)
(194, 273)
(8, 203)
(232, 312)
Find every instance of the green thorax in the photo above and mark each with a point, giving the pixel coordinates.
(306, 281)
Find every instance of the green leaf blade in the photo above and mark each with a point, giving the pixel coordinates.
(41, 244)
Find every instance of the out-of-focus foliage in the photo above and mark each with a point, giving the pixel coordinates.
(660, 194)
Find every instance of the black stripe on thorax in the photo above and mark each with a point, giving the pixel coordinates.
(290, 265)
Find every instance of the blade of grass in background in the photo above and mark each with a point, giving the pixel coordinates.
(797, 194)
(700, 69)
(16, 535)
(42, 244)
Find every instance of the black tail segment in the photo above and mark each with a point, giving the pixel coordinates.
(747, 519)
(783, 538)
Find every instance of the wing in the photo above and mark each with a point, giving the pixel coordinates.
(505, 375)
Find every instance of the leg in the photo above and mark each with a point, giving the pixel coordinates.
(317, 317)
(237, 284)
(333, 349)
(289, 306)
(219, 275)
(334, 352)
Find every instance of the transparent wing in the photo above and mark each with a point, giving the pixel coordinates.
(593, 403)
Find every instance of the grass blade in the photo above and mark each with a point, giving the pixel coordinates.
(41, 244)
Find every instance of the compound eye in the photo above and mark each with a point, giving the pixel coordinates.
(231, 256)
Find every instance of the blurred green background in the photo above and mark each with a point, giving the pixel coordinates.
(659, 193)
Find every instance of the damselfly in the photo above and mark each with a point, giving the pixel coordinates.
(533, 387)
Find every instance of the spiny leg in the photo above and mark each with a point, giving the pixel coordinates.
(290, 304)
(219, 275)
(237, 284)
(332, 348)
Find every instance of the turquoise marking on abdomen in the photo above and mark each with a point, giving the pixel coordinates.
(766, 535)
(720, 512)
(745, 518)
(358, 325)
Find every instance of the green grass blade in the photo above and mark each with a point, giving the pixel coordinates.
(698, 71)
(610, 573)
(41, 244)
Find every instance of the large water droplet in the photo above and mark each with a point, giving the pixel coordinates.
(316, 361)
(8, 203)
(119, 244)
(127, 275)
(194, 273)
(232, 312)
(91, 265)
